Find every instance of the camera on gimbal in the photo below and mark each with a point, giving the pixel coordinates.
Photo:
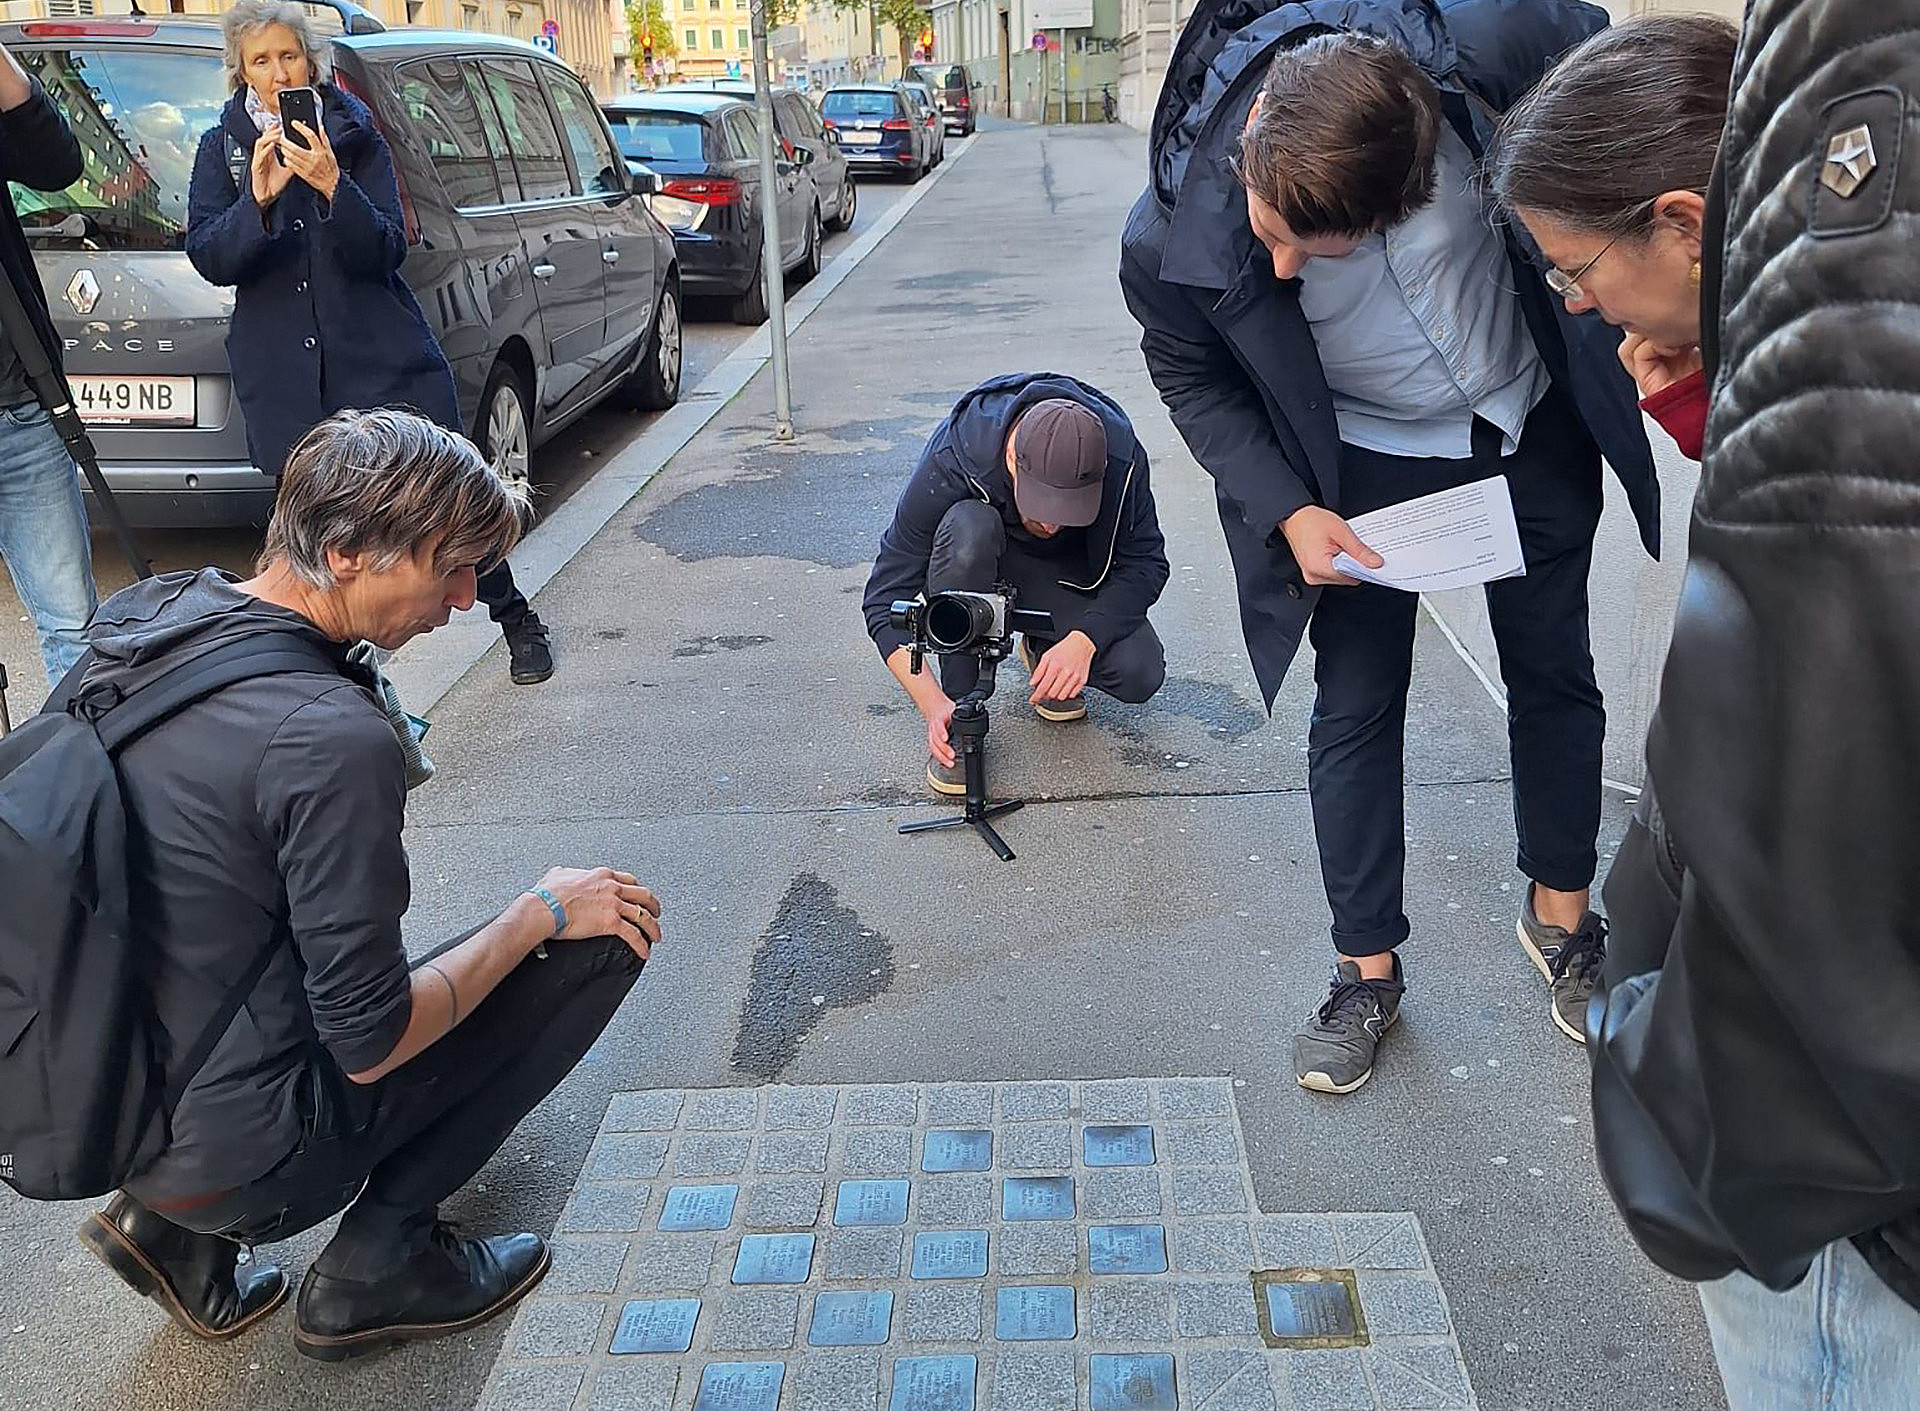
(967, 624)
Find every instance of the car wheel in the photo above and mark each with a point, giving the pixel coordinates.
(750, 305)
(506, 426)
(849, 207)
(810, 260)
(914, 173)
(655, 383)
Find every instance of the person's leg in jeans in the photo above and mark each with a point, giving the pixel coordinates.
(43, 535)
(529, 650)
(967, 548)
(1840, 1339)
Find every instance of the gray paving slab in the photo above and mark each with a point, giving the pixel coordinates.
(1070, 1310)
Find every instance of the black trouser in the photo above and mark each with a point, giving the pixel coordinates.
(1363, 662)
(505, 602)
(971, 553)
(407, 1142)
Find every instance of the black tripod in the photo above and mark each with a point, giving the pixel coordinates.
(969, 735)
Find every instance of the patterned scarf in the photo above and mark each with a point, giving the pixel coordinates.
(264, 118)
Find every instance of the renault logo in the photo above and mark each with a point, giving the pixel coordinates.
(1850, 161)
(83, 292)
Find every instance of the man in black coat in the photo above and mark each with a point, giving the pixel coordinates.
(1034, 480)
(43, 525)
(1337, 326)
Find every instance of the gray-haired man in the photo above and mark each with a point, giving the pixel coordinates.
(270, 814)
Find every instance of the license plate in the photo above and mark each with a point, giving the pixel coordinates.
(860, 139)
(134, 401)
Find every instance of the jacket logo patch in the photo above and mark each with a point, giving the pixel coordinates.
(1850, 161)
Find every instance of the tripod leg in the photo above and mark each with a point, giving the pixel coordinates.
(933, 825)
(993, 839)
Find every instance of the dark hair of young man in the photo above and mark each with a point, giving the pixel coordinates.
(1343, 136)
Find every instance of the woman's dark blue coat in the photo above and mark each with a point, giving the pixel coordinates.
(321, 318)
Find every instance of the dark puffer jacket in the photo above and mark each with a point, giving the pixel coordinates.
(1757, 1064)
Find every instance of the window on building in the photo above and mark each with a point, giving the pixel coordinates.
(693, 35)
(719, 38)
(742, 39)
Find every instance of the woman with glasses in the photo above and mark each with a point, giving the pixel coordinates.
(1606, 163)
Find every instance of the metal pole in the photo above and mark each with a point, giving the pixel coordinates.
(1063, 75)
(770, 262)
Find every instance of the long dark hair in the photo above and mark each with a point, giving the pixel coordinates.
(1635, 111)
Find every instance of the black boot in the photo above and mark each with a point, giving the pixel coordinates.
(530, 657)
(196, 1278)
(456, 1283)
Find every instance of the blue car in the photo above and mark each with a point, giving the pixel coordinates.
(877, 125)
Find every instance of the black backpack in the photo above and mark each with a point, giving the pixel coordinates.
(84, 1104)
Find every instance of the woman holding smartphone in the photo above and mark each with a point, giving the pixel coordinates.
(294, 204)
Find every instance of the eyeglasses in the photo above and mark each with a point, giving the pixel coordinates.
(1567, 286)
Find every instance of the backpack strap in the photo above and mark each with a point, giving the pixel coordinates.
(121, 720)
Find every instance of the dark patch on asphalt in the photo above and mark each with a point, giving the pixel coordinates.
(612, 634)
(705, 646)
(816, 949)
(952, 279)
(1046, 178)
(953, 313)
(884, 709)
(1226, 713)
(817, 506)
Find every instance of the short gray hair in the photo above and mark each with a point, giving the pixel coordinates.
(247, 18)
(385, 483)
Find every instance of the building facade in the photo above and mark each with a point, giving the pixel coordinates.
(590, 30)
(847, 45)
(1029, 70)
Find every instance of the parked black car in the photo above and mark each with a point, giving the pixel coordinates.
(705, 148)
(547, 280)
(878, 126)
(955, 90)
(798, 125)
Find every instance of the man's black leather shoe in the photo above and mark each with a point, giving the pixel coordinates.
(196, 1278)
(457, 1283)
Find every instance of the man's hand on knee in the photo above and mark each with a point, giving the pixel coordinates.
(602, 902)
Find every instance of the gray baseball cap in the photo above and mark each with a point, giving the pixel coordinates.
(1060, 452)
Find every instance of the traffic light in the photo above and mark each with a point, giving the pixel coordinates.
(926, 42)
(646, 47)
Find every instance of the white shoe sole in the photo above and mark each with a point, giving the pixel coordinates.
(1545, 968)
(944, 789)
(1318, 1082)
(1059, 712)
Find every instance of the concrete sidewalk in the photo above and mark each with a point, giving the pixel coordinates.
(721, 725)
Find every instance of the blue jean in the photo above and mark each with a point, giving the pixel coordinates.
(43, 534)
(1839, 1339)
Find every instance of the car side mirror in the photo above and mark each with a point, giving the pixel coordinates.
(646, 182)
(803, 156)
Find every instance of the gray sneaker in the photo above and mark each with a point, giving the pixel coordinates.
(1334, 1052)
(1570, 962)
(947, 782)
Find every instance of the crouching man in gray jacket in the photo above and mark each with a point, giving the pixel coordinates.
(270, 882)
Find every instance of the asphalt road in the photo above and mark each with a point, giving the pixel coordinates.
(721, 725)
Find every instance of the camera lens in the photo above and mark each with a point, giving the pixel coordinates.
(955, 621)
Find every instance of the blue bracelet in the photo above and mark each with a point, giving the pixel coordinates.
(553, 905)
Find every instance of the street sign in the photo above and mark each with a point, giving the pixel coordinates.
(547, 42)
(1039, 44)
(550, 28)
(1061, 14)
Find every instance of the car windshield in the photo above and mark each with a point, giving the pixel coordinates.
(858, 103)
(947, 76)
(658, 137)
(138, 115)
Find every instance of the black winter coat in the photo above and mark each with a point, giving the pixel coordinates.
(1228, 346)
(321, 318)
(1757, 1045)
(965, 459)
(38, 151)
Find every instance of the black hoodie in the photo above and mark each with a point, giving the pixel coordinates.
(1124, 564)
(265, 816)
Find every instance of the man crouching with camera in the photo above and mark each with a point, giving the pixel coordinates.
(317, 1071)
(1034, 482)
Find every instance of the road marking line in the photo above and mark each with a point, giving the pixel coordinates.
(428, 667)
